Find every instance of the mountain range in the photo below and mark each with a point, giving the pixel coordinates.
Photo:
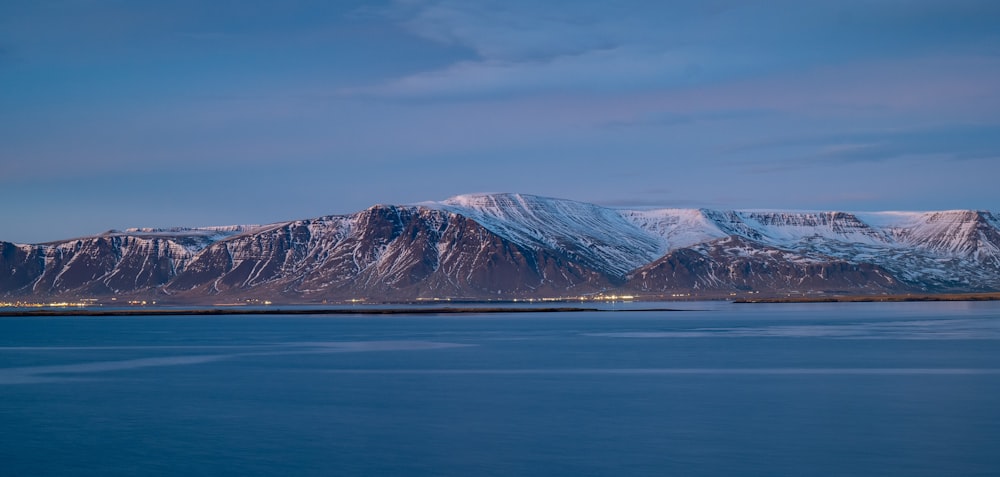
(517, 246)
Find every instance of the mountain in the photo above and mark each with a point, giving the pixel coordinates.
(506, 246)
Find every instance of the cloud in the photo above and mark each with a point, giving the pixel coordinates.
(543, 47)
(888, 94)
(670, 118)
(952, 142)
(509, 31)
(540, 47)
(595, 71)
(956, 143)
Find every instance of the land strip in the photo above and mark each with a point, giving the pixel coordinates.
(298, 311)
(876, 298)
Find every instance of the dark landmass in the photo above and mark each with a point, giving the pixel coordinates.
(299, 311)
(484, 248)
(877, 298)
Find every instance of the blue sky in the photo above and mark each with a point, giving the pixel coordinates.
(116, 113)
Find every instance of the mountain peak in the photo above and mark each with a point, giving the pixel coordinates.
(495, 199)
(507, 245)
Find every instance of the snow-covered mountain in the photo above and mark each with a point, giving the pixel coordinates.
(503, 246)
(594, 236)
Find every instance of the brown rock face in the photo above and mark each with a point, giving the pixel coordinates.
(94, 266)
(20, 267)
(737, 264)
(385, 252)
(513, 246)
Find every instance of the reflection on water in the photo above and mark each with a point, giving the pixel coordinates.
(969, 329)
(33, 374)
(721, 389)
(668, 371)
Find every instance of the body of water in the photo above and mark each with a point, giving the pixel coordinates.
(719, 390)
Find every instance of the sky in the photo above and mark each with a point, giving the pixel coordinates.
(116, 113)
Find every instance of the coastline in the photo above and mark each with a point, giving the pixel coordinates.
(991, 296)
(220, 311)
(223, 310)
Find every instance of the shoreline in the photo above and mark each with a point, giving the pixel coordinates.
(991, 296)
(222, 310)
(318, 311)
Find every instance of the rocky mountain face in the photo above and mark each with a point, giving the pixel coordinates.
(505, 246)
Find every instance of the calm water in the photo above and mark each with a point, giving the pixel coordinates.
(820, 389)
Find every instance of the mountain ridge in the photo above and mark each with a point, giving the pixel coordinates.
(512, 246)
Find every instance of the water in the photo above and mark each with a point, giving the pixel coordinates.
(817, 389)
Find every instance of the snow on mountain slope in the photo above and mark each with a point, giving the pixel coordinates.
(384, 252)
(947, 249)
(789, 228)
(676, 228)
(111, 262)
(682, 228)
(950, 250)
(264, 254)
(193, 239)
(962, 233)
(736, 264)
(594, 236)
(933, 250)
(513, 245)
(20, 266)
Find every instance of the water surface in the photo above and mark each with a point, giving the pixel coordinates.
(723, 389)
